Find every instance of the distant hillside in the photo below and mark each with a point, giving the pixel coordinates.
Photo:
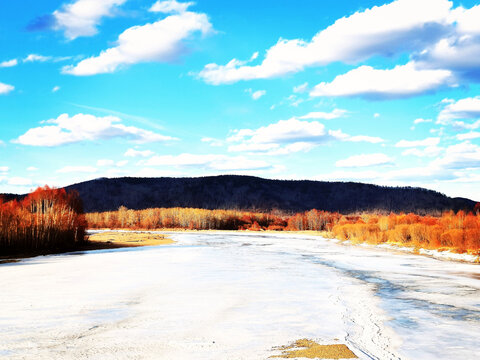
(253, 193)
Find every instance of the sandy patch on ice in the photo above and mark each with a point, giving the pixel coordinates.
(310, 349)
(129, 238)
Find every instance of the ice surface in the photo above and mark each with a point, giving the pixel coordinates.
(236, 296)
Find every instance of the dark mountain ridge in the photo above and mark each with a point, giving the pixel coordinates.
(253, 193)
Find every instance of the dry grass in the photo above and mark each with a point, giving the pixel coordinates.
(305, 348)
(129, 239)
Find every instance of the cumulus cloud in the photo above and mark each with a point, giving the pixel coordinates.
(81, 17)
(428, 151)
(399, 82)
(456, 163)
(4, 169)
(442, 43)
(36, 58)
(105, 162)
(257, 94)
(301, 88)
(138, 153)
(170, 6)
(466, 126)
(288, 136)
(8, 63)
(365, 160)
(5, 88)
(417, 143)
(336, 113)
(212, 141)
(464, 155)
(55, 88)
(84, 127)
(110, 163)
(161, 41)
(19, 181)
(403, 25)
(468, 136)
(420, 121)
(468, 108)
(459, 50)
(32, 168)
(208, 162)
(339, 134)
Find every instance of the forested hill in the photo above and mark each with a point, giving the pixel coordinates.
(253, 193)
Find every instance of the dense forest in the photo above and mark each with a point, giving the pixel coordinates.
(45, 219)
(256, 194)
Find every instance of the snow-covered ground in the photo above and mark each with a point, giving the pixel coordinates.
(236, 296)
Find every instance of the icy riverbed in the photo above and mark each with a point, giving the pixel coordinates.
(236, 296)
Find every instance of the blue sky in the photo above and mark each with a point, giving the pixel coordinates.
(369, 91)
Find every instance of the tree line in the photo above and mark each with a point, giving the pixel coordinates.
(459, 231)
(51, 218)
(46, 219)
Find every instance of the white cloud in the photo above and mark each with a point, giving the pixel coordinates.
(466, 126)
(288, 136)
(420, 120)
(77, 169)
(301, 88)
(84, 127)
(19, 181)
(402, 25)
(8, 63)
(417, 143)
(161, 41)
(340, 135)
(81, 17)
(428, 151)
(55, 88)
(209, 162)
(376, 115)
(459, 49)
(284, 131)
(401, 81)
(32, 168)
(138, 153)
(212, 141)
(4, 169)
(258, 94)
(36, 58)
(363, 138)
(336, 113)
(365, 160)
(460, 156)
(458, 163)
(170, 6)
(121, 163)
(468, 108)
(5, 88)
(105, 162)
(469, 136)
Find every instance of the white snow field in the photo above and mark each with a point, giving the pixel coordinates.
(236, 296)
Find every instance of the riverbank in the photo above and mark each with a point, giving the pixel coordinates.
(98, 241)
(445, 253)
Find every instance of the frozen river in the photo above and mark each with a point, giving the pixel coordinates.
(236, 296)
